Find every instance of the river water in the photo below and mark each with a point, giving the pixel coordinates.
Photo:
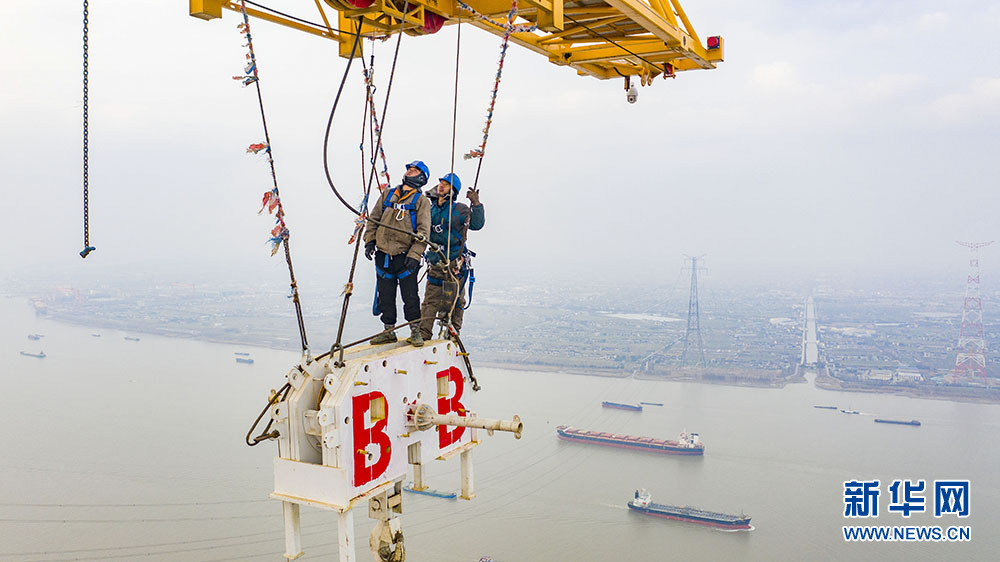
(125, 450)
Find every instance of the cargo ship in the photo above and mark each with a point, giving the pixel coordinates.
(688, 444)
(652, 403)
(620, 406)
(642, 503)
(40, 354)
(843, 411)
(246, 360)
(127, 338)
(897, 422)
(243, 353)
(826, 407)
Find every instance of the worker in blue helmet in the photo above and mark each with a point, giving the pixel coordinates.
(396, 237)
(451, 221)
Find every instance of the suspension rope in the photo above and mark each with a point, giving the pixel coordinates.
(87, 248)
(454, 112)
(479, 152)
(376, 151)
(272, 198)
(376, 129)
(363, 212)
(508, 28)
(362, 218)
(451, 194)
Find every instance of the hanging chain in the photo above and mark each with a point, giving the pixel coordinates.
(87, 248)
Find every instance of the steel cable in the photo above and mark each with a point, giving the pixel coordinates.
(284, 234)
(348, 287)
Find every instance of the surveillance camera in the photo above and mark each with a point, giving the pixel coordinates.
(632, 95)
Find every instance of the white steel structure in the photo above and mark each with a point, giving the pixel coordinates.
(348, 433)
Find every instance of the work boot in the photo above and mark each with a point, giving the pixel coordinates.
(389, 336)
(415, 339)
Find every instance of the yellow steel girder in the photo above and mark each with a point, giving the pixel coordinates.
(600, 38)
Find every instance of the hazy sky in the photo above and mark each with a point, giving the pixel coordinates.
(852, 137)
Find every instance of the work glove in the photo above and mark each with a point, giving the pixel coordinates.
(473, 195)
(412, 264)
(370, 250)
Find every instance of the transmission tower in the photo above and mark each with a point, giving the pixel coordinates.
(971, 359)
(694, 318)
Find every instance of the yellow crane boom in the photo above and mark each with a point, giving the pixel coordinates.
(599, 38)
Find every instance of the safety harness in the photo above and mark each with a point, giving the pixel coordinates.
(467, 273)
(383, 270)
(410, 207)
(455, 234)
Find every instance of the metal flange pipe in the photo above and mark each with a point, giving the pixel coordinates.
(422, 417)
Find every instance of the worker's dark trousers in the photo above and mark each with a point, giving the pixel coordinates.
(408, 288)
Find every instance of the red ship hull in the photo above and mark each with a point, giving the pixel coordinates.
(628, 442)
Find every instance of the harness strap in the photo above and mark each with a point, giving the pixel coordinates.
(439, 282)
(409, 207)
(472, 284)
(386, 275)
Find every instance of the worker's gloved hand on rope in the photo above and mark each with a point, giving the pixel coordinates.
(412, 264)
(370, 250)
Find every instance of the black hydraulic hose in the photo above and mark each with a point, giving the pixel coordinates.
(267, 434)
(329, 124)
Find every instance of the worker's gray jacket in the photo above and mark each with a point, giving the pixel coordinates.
(390, 240)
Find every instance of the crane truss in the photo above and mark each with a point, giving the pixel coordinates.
(600, 38)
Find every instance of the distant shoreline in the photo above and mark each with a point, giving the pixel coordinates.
(823, 382)
(950, 394)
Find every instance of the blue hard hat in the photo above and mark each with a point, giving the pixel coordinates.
(419, 164)
(454, 180)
